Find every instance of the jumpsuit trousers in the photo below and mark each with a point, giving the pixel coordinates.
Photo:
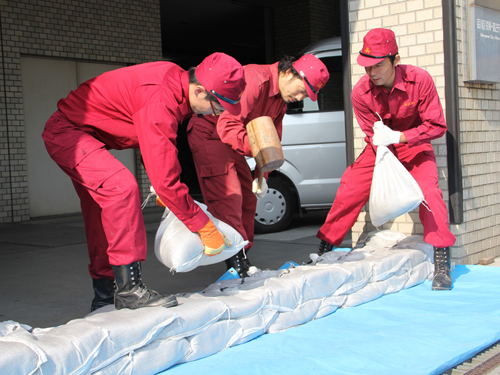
(224, 177)
(109, 196)
(354, 193)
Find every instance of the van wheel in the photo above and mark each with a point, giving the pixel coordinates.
(275, 211)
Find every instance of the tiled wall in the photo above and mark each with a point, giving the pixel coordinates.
(107, 31)
(298, 24)
(480, 137)
(419, 31)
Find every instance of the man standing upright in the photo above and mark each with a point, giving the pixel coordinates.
(406, 98)
(219, 145)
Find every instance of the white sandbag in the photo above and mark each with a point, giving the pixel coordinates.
(300, 315)
(215, 338)
(329, 305)
(255, 324)
(239, 303)
(10, 326)
(151, 359)
(194, 315)
(394, 191)
(285, 293)
(384, 239)
(18, 355)
(422, 271)
(182, 250)
(394, 265)
(227, 313)
(128, 330)
(360, 275)
(370, 292)
(320, 283)
(66, 349)
(70, 348)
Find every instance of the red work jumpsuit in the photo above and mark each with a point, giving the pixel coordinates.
(219, 151)
(133, 107)
(412, 107)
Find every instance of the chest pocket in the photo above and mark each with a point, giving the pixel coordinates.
(408, 111)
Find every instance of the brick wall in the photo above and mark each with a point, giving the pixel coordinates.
(419, 31)
(113, 31)
(480, 139)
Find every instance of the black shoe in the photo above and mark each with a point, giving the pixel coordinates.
(442, 265)
(240, 263)
(131, 293)
(104, 293)
(324, 247)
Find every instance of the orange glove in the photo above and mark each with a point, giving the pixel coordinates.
(159, 202)
(213, 240)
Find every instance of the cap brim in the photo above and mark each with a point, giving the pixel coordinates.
(310, 93)
(233, 109)
(368, 61)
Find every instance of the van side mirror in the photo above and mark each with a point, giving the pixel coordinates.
(295, 107)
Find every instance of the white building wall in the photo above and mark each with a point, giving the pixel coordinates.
(418, 25)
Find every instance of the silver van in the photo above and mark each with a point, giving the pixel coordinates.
(314, 148)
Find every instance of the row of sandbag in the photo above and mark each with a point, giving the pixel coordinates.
(227, 313)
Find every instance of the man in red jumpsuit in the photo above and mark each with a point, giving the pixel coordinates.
(136, 107)
(406, 98)
(220, 145)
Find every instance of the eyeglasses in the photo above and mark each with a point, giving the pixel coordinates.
(307, 81)
(221, 97)
(374, 57)
(216, 112)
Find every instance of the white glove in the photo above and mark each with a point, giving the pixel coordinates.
(260, 193)
(384, 136)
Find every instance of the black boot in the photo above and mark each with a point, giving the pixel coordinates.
(442, 265)
(131, 293)
(240, 263)
(104, 293)
(324, 247)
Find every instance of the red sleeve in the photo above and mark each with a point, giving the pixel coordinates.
(365, 117)
(157, 133)
(278, 124)
(431, 113)
(232, 129)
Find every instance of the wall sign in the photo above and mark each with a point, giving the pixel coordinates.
(484, 44)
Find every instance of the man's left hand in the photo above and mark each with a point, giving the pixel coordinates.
(260, 193)
(385, 136)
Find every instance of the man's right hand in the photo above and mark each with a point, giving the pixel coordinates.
(385, 136)
(213, 240)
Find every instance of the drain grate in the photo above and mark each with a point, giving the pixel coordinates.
(481, 364)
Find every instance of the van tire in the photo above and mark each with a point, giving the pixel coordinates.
(276, 210)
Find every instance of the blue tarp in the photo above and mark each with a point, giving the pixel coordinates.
(415, 331)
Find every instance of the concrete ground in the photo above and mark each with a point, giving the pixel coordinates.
(44, 281)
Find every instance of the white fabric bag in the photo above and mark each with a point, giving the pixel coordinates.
(182, 250)
(394, 191)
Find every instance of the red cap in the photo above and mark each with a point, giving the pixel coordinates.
(377, 44)
(223, 77)
(313, 72)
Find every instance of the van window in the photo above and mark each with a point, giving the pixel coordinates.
(330, 97)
